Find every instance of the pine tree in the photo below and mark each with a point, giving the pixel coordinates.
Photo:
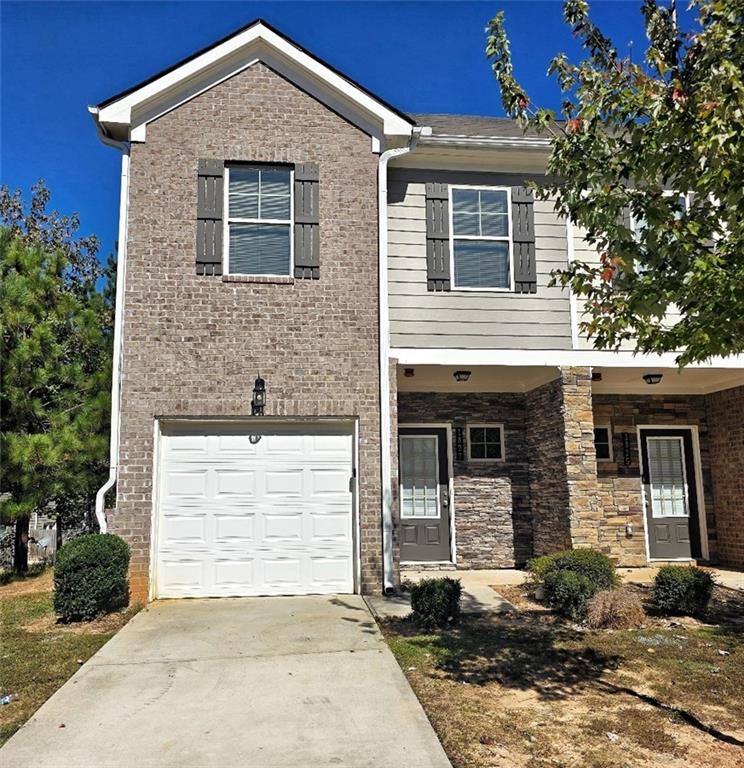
(56, 331)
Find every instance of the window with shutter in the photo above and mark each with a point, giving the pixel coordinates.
(481, 238)
(259, 220)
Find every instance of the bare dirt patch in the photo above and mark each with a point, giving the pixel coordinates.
(529, 690)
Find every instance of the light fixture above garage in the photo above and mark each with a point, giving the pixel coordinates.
(653, 378)
(461, 375)
(259, 397)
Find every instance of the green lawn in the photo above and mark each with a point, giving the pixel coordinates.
(37, 655)
(530, 690)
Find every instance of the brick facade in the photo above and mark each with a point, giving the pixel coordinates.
(193, 344)
(725, 413)
(619, 484)
(491, 500)
(560, 438)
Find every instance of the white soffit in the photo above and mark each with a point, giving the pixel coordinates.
(127, 115)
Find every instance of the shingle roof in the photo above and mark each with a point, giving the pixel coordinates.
(472, 125)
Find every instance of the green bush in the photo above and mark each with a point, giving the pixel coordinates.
(436, 602)
(90, 577)
(572, 577)
(681, 590)
(539, 566)
(597, 567)
(568, 592)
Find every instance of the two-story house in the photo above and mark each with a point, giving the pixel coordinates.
(337, 353)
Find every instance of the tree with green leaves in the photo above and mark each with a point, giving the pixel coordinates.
(658, 142)
(56, 330)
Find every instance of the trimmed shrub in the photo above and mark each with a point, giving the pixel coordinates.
(595, 566)
(436, 602)
(539, 566)
(568, 592)
(90, 577)
(615, 609)
(681, 590)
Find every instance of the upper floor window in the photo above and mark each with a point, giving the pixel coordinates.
(259, 220)
(481, 238)
(638, 223)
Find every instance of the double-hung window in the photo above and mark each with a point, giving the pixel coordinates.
(259, 220)
(603, 442)
(638, 223)
(481, 238)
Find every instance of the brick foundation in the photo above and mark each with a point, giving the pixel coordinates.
(725, 412)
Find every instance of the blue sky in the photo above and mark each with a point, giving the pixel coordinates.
(422, 56)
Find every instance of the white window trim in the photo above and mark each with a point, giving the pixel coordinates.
(401, 438)
(611, 457)
(486, 425)
(508, 240)
(664, 193)
(226, 221)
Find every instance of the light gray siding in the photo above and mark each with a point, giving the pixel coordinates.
(469, 319)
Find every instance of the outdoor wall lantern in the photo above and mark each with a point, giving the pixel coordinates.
(653, 378)
(259, 397)
(461, 375)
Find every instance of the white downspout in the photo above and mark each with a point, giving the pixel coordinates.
(118, 318)
(385, 465)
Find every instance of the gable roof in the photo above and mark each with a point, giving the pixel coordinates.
(126, 114)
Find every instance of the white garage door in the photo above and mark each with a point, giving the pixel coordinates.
(241, 516)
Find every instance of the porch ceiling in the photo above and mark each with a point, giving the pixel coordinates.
(688, 381)
(483, 378)
(614, 380)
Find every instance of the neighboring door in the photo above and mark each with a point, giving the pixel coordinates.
(424, 494)
(255, 509)
(670, 493)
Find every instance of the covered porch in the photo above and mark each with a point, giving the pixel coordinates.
(497, 463)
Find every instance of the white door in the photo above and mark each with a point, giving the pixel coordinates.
(254, 510)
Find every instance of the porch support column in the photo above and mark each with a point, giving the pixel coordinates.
(563, 463)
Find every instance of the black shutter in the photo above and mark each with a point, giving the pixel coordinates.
(306, 221)
(437, 237)
(523, 239)
(210, 189)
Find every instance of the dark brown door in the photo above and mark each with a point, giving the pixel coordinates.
(424, 494)
(670, 491)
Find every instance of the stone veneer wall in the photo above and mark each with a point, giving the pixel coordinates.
(620, 492)
(491, 500)
(560, 438)
(725, 413)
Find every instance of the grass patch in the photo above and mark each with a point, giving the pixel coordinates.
(37, 656)
(530, 690)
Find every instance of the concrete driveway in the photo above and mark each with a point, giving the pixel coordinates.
(248, 682)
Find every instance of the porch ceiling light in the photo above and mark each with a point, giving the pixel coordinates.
(653, 378)
(461, 375)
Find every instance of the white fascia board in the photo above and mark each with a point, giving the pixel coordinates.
(124, 109)
(537, 357)
(507, 142)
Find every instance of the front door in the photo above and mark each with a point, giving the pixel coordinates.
(670, 493)
(424, 494)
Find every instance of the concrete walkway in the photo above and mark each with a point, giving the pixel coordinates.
(477, 594)
(264, 682)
